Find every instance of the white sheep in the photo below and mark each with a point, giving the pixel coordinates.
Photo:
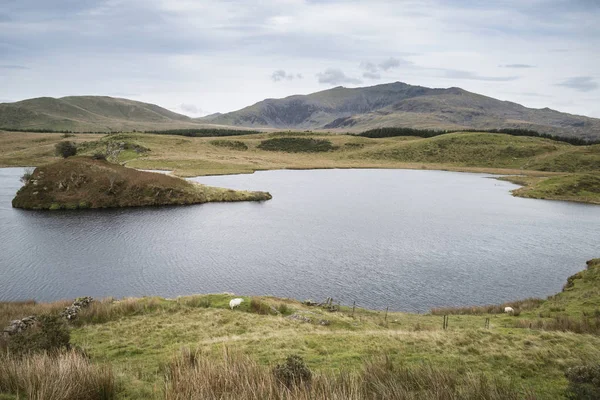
(235, 302)
(509, 310)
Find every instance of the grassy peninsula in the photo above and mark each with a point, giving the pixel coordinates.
(550, 169)
(196, 347)
(84, 182)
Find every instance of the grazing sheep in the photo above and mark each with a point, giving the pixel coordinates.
(509, 310)
(235, 302)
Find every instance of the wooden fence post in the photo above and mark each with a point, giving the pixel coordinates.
(353, 307)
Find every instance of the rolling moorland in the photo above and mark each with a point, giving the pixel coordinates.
(272, 348)
(196, 347)
(549, 169)
(337, 110)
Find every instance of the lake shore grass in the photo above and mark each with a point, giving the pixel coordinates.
(157, 348)
(547, 167)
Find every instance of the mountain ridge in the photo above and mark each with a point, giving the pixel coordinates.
(402, 105)
(338, 109)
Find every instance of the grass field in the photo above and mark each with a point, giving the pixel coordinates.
(140, 339)
(550, 169)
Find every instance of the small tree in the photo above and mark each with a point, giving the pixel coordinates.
(65, 149)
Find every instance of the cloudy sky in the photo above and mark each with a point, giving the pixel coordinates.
(198, 57)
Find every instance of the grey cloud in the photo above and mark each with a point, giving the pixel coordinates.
(190, 108)
(335, 76)
(368, 66)
(392, 63)
(280, 74)
(371, 75)
(13, 67)
(580, 83)
(459, 74)
(517, 66)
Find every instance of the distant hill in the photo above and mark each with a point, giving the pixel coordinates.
(401, 105)
(339, 109)
(89, 113)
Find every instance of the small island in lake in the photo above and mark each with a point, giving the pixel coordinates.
(84, 182)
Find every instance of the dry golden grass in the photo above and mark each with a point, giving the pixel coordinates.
(64, 376)
(192, 376)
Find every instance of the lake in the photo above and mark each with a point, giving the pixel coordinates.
(404, 239)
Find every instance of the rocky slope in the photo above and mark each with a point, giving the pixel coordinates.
(401, 105)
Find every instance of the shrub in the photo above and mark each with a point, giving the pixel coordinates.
(230, 144)
(27, 175)
(259, 307)
(99, 156)
(296, 145)
(67, 135)
(584, 382)
(50, 335)
(284, 309)
(293, 372)
(65, 149)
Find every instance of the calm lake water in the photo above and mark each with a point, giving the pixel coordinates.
(410, 240)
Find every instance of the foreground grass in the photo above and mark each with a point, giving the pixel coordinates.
(162, 348)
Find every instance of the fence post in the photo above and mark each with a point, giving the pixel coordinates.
(445, 322)
(353, 307)
(386, 311)
(487, 323)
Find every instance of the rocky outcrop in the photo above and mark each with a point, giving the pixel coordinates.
(72, 311)
(19, 325)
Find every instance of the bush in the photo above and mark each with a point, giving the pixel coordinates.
(584, 382)
(293, 373)
(65, 149)
(99, 156)
(230, 144)
(259, 307)
(27, 175)
(296, 145)
(50, 335)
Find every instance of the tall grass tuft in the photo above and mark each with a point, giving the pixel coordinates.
(240, 378)
(64, 376)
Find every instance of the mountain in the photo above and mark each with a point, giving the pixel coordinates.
(339, 109)
(89, 113)
(401, 105)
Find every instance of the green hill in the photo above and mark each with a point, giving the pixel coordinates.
(89, 114)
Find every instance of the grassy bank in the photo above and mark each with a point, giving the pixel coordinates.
(196, 347)
(531, 157)
(84, 182)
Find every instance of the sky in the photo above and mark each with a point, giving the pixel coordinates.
(198, 57)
